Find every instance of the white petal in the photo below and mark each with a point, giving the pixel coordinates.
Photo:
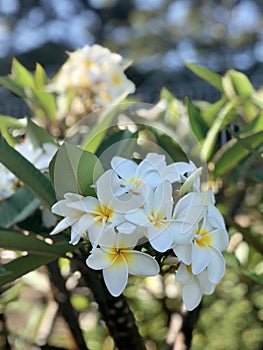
(215, 218)
(99, 259)
(162, 197)
(200, 258)
(116, 276)
(184, 253)
(156, 160)
(183, 167)
(126, 228)
(206, 286)
(171, 173)
(62, 225)
(138, 218)
(141, 264)
(72, 196)
(220, 239)
(186, 202)
(124, 168)
(192, 294)
(182, 275)
(75, 236)
(87, 204)
(160, 239)
(182, 232)
(216, 267)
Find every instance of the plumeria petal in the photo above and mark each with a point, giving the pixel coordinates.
(182, 232)
(207, 287)
(216, 266)
(184, 253)
(160, 239)
(138, 218)
(200, 258)
(183, 275)
(99, 259)
(192, 294)
(220, 239)
(126, 169)
(62, 225)
(116, 276)
(141, 264)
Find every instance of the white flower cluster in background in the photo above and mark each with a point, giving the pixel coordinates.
(93, 77)
(39, 156)
(149, 202)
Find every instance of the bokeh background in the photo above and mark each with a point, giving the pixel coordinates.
(158, 36)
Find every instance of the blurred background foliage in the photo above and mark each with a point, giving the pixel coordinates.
(158, 36)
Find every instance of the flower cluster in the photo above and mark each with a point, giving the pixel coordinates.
(91, 77)
(154, 202)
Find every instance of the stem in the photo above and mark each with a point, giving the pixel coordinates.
(62, 297)
(115, 310)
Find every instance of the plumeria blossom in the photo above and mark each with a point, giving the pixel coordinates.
(39, 156)
(71, 216)
(7, 182)
(94, 77)
(194, 286)
(204, 251)
(155, 202)
(117, 259)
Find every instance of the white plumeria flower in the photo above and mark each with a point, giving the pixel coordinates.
(191, 181)
(117, 259)
(204, 251)
(39, 156)
(138, 179)
(187, 212)
(156, 216)
(213, 215)
(194, 286)
(71, 216)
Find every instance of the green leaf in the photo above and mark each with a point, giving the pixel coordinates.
(43, 100)
(207, 75)
(88, 171)
(197, 122)
(17, 207)
(97, 133)
(212, 134)
(33, 179)
(38, 135)
(9, 84)
(241, 83)
(63, 169)
(11, 122)
(234, 151)
(41, 78)
(21, 76)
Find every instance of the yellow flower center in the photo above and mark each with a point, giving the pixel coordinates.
(103, 213)
(203, 238)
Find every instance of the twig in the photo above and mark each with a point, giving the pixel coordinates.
(62, 297)
(115, 311)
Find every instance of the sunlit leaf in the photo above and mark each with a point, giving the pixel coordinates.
(16, 88)
(197, 122)
(206, 74)
(21, 75)
(234, 151)
(41, 78)
(241, 83)
(11, 122)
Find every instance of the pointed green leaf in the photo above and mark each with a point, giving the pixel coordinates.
(43, 100)
(33, 179)
(207, 75)
(197, 122)
(241, 83)
(21, 76)
(11, 122)
(14, 87)
(63, 169)
(234, 151)
(17, 207)
(89, 170)
(38, 135)
(41, 78)
(97, 133)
